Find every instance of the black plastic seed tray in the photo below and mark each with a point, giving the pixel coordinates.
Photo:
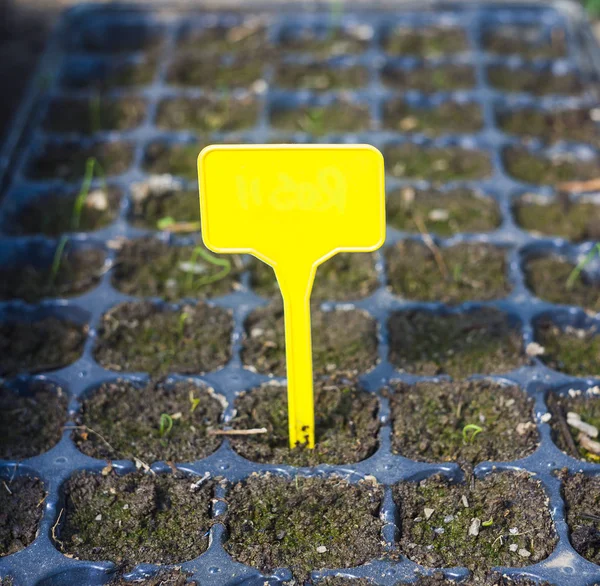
(93, 42)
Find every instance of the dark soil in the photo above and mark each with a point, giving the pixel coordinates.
(121, 37)
(344, 277)
(21, 507)
(110, 75)
(324, 43)
(430, 422)
(582, 499)
(566, 437)
(474, 272)
(146, 337)
(449, 117)
(275, 522)
(152, 268)
(481, 341)
(190, 69)
(573, 125)
(39, 345)
(207, 114)
(153, 207)
(343, 341)
(547, 277)
(340, 116)
(539, 83)
(247, 38)
(570, 350)
(174, 159)
(436, 164)
(527, 41)
(538, 169)
(575, 220)
(67, 161)
(121, 420)
(429, 78)
(87, 116)
(431, 42)
(346, 425)
(134, 519)
(502, 502)
(79, 271)
(486, 579)
(444, 214)
(31, 420)
(319, 76)
(163, 578)
(50, 214)
(339, 581)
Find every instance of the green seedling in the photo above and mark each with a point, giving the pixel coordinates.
(314, 121)
(165, 425)
(169, 224)
(335, 16)
(201, 253)
(488, 523)
(470, 432)
(91, 166)
(457, 272)
(194, 402)
(181, 325)
(584, 262)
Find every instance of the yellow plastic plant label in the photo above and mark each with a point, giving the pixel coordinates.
(293, 207)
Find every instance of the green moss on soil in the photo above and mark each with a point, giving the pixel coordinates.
(50, 214)
(208, 72)
(506, 500)
(476, 272)
(573, 125)
(539, 83)
(87, 116)
(21, 507)
(575, 220)
(67, 161)
(248, 38)
(121, 420)
(429, 419)
(333, 41)
(343, 341)
(340, 116)
(319, 76)
(276, 522)
(430, 42)
(175, 159)
(543, 170)
(444, 214)
(339, 581)
(582, 498)
(482, 341)
(6, 581)
(449, 117)
(527, 41)
(346, 425)
(31, 421)
(439, 165)
(482, 579)
(136, 518)
(587, 406)
(344, 277)
(79, 271)
(149, 267)
(547, 277)
(429, 78)
(163, 578)
(207, 114)
(40, 345)
(570, 350)
(182, 206)
(145, 337)
(113, 76)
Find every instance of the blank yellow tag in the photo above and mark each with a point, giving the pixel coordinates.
(293, 207)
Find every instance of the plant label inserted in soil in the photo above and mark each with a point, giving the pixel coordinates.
(293, 207)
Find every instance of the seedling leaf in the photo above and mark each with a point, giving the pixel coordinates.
(470, 432)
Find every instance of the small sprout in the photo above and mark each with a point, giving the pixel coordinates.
(469, 433)
(457, 272)
(165, 425)
(165, 223)
(584, 262)
(200, 252)
(194, 402)
(181, 325)
(488, 523)
(314, 121)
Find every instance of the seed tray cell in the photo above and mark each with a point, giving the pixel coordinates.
(316, 76)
